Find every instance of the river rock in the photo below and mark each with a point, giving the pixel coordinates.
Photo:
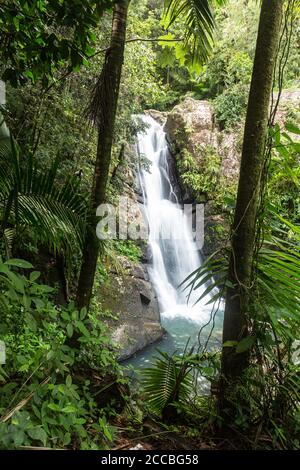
(159, 116)
(129, 296)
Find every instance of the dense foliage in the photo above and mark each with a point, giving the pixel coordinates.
(40, 37)
(62, 385)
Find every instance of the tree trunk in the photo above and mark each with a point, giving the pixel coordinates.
(244, 226)
(103, 110)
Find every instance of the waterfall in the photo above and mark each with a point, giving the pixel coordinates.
(175, 254)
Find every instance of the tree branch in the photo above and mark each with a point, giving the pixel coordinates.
(101, 51)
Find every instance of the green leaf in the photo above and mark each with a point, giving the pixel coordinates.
(61, 389)
(16, 23)
(167, 40)
(46, 289)
(166, 58)
(292, 128)
(26, 301)
(276, 134)
(82, 329)
(230, 344)
(34, 276)
(69, 409)
(31, 322)
(3, 269)
(180, 54)
(245, 344)
(83, 313)
(198, 22)
(160, 380)
(38, 434)
(17, 282)
(70, 330)
(74, 315)
(89, 51)
(69, 381)
(80, 421)
(67, 439)
(18, 437)
(20, 263)
(53, 407)
(40, 304)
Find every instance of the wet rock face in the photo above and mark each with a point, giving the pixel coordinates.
(130, 297)
(191, 126)
(191, 117)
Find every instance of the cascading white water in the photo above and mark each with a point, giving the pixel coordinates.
(175, 255)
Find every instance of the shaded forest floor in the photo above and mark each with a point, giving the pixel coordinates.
(153, 436)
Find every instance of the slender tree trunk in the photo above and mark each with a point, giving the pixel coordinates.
(103, 110)
(244, 225)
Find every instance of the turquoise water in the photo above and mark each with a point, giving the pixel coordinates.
(179, 331)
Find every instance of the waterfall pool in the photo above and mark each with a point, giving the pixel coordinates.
(179, 330)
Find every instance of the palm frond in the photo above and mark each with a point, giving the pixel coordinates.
(198, 21)
(168, 381)
(8, 238)
(278, 279)
(210, 276)
(277, 286)
(31, 197)
(53, 222)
